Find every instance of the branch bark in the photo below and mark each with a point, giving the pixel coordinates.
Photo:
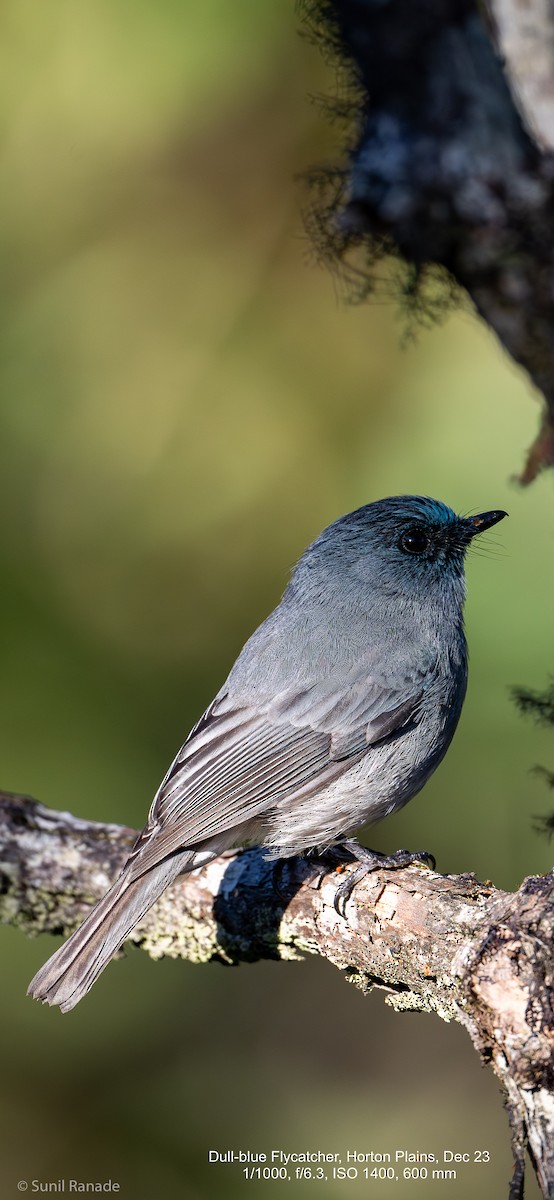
(444, 944)
(440, 169)
(523, 31)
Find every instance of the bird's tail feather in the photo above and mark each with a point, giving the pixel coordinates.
(71, 971)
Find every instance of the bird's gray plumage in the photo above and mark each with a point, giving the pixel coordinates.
(336, 712)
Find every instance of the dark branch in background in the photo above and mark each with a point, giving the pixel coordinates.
(440, 172)
(539, 705)
(443, 944)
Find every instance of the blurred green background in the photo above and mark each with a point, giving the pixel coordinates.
(185, 403)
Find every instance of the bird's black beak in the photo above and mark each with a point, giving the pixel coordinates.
(482, 521)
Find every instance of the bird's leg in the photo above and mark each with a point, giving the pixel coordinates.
(371, 860)
(277, 878)
(368, 860)
(319, 871)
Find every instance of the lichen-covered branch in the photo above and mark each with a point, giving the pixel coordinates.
(440, 169)
(435, 943)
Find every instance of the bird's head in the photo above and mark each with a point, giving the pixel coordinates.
(409, 546)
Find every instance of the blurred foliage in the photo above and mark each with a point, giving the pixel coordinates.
(185, 403)
(539, 705)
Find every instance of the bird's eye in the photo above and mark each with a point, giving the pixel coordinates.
(414, 541)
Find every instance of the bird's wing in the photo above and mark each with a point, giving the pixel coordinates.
(239, 761)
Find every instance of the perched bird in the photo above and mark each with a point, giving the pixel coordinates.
(336, 712)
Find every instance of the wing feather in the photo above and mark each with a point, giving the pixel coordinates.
(239, 762)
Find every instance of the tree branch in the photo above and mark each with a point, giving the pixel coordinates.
(443, 944)
(440, 169)
(524, 35)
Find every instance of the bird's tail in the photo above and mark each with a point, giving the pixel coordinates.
(71, 971)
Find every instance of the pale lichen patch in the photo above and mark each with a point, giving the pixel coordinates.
(418, 1002)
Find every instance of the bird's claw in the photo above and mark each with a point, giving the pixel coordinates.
(370, 860)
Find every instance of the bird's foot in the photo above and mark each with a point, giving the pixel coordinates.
(320, 870)
(371, 860)
(277, 879)
(368, 861)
